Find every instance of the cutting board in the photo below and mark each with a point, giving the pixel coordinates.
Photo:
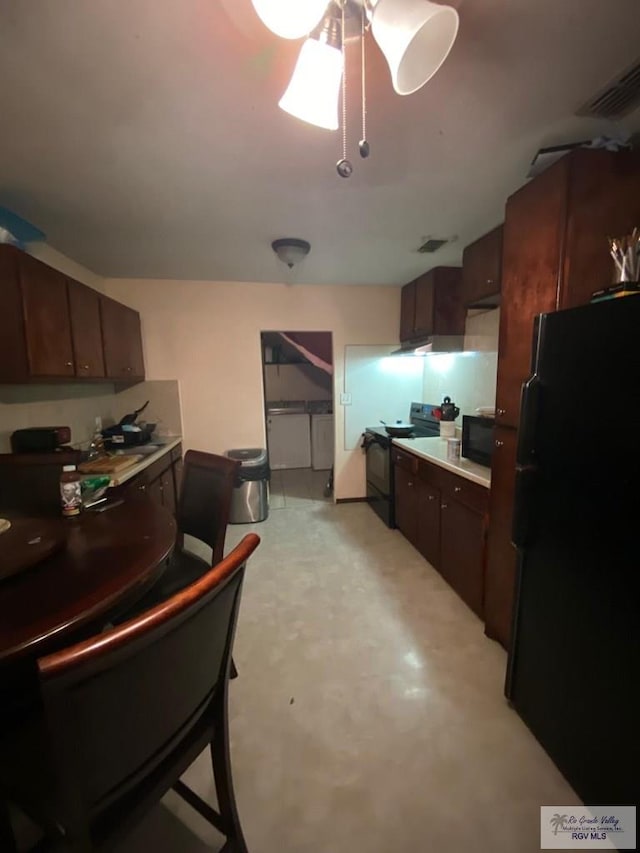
(109, 464)
(29, 541)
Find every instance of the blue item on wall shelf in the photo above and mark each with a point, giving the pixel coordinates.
(20, 230)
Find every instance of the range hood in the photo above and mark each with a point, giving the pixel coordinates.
(431, 344)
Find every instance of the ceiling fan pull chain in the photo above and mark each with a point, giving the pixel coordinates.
(344, 166)
(363, 145)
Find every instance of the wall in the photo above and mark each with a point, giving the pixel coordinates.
(481, 330)
(77, 406)
(48, 255)
(382, 387)
(207, 335)
(469, 378)
(296, 382)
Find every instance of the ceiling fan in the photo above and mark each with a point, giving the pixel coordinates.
(415, 37)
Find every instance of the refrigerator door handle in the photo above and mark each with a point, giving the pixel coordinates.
(529, 409)
(523, 524)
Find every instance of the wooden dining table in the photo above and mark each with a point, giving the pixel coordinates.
(107, 561)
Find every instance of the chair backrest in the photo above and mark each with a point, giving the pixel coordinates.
(123, 705)
(205, 498)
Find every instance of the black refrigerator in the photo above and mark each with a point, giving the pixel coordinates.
(573, 673)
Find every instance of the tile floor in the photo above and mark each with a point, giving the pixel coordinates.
(296, 487)
(368, 716)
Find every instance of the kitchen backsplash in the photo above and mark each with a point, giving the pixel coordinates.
(77, 406)
(468, 378)
(382, 387)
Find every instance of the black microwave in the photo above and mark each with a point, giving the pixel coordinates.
(477, 439)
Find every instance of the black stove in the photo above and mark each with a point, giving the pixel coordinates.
(377, 446)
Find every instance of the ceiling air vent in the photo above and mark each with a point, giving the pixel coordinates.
(431, 245)
(618, 98)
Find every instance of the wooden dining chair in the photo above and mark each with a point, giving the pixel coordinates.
(206, 490)
(203, 510)
(125, 714)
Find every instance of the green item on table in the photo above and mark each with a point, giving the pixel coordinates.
(94, 483)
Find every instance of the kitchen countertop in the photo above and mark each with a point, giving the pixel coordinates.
(435, 450)
(121, 477)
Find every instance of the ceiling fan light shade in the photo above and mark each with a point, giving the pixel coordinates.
(291, 250)
(415, 37)
(314, 88)
(290, 19)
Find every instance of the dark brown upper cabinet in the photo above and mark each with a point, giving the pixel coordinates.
(34, 320)
(555, 251)
(407, 311)
(121, 341)
(482, 270)
(51, 327)
(432, 305)
(84, 310)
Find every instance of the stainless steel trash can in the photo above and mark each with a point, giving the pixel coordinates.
(250, 500)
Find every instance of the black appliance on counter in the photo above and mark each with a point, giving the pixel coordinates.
(573, 660)
(477, 439)
(376, 443)
(40, 439)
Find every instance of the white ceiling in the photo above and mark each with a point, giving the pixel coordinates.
(144, 137)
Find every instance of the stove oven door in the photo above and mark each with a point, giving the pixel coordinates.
(379, 477)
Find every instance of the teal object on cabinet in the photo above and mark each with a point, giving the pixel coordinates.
(20, 229)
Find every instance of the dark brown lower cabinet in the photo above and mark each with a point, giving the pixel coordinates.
(429, 522)
(160, 481)
(445, 517)
(462, 538)
(154, 491)
(407, 505)
(168, 489)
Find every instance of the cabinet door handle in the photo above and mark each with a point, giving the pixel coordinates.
(85, 367)
(457, 488)
(409, 483)
(499, 443)
(129, 369)
(501, 411)
(443, 506)
(431, 497)
(489, 281)
(69, 363)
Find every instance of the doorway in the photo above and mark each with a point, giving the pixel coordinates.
(297, 371)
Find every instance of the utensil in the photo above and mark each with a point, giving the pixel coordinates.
(110, 505)
(399, 429)
(132, 416)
